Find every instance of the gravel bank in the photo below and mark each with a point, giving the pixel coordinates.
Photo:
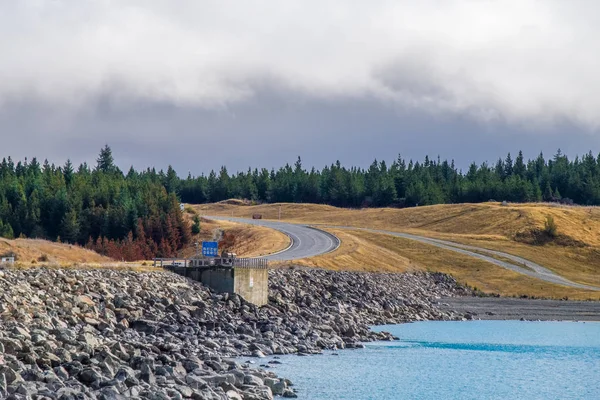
(107, 334)
(503, 308)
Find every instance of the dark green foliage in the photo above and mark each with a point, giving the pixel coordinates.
(6, 231)
(105, 160)
(126, 217)
(550, 228)
(408, 183)
(196, 225)
(137, 215)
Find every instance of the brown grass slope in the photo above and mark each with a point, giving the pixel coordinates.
(250, 240)
(581, 224)
(514, 229)
(487, 277)
(35, 251)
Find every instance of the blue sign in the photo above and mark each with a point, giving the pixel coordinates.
(210, 249)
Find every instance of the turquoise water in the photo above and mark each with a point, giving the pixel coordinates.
(458, 360)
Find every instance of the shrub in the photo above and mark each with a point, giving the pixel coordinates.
(190, 210)
(6, 231)
(227, 242)
(43, 258)
(196, 225)
(550, 227)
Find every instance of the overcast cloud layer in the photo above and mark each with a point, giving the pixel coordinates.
(163, 80)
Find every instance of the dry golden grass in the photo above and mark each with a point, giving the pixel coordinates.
(36, 253)
(30, 251)
(488, 225)
(256, 241)
(468, 270)
(251, 240)
(581, 224)
(357, 254)
(579, 264)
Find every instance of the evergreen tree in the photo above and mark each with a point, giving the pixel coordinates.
(105, 161)
(68, 172)
(508, 166)
(548, 196)
(519, 167)
(6, 231)
(69, 227)
(196, 225)
(138, 215)
(171, 181)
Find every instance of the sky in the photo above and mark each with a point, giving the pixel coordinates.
(200, 84)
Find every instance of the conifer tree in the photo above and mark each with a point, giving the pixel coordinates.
(68, 172)
(105, 161)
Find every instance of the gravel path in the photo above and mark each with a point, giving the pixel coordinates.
(519, 264)
(309, 242)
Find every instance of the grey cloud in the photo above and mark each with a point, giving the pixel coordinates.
(526, 61)
(267, 81)
(274, 129)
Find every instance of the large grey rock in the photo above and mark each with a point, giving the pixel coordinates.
(90, 375)
(147, 375)
(108, 334)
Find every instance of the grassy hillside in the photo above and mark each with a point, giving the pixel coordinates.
(35, 251)
(515, 229)
(250, 241)
(580, 224)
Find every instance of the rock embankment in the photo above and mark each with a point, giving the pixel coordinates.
(107, 334)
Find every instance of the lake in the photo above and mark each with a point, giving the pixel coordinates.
(458, 360)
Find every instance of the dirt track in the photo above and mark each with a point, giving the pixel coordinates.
(517, 264)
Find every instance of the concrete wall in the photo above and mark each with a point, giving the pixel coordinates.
(252, 285)
(219, 279)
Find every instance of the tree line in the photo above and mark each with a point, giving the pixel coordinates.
(125, 216)
(404, 183)
(136, 215)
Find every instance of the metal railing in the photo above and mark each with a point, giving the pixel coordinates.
(258, 263)
(174, 262)
(205, 262)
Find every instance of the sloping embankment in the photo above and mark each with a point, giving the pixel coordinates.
(108, 333)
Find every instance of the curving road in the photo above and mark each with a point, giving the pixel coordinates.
(305, 241)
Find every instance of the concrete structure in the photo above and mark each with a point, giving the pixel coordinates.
(247, 277)
(7, 260)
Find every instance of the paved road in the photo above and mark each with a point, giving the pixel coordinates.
(305, 241)
(310, 242)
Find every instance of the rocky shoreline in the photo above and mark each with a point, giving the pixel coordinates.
(506, 308)
(110, 334)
